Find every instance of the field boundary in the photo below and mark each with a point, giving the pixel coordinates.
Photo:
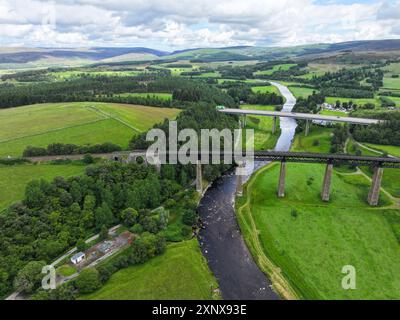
(109, 116)
(54, 130)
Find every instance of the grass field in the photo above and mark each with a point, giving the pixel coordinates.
(66, 270)
(391, 83)
(333, 113)
(78, 123)
(392, 150)
(180, 273)
(13, 179)
(279, 67)
(301, 92)
(391, 177)
(266, 89)
(332, 100)
(307, 242)
(318, 140)
(262, 126)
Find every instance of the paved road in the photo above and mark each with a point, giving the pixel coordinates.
(302, 116)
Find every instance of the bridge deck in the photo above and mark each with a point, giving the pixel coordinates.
(304, 116)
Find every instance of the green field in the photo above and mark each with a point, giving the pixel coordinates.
(78, 123)
(318, 140)
(307, 242)
(13, 179)
(180, 273)
(391, 83)
(66, 270)
(392, 150)
(332, 100)
(262, 126)
(301, 92)
(333, 113)
(266, 89)
(391, 177)
(279, 67)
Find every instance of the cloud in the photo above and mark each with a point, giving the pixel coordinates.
(171, 24)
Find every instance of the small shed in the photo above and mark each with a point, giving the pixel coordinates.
(76, 258)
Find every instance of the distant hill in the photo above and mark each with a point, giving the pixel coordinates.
(11, 58)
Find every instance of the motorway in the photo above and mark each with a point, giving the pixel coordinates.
(303, 116)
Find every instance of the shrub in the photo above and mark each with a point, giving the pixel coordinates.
(88, 281)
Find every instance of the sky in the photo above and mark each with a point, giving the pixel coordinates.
(180, 24)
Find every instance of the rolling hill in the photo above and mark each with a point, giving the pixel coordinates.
(19, 58)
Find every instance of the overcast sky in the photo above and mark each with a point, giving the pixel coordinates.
(178, 24)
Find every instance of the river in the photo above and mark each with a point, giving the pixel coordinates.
(221, 242)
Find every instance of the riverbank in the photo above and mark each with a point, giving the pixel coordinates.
(311, 241)
(221, 241)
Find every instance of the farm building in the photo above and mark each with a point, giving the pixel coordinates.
(76, 258)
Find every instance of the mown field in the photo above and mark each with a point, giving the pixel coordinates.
(13, 179)
(318, 140)
(262, 126)
(279, 67)
(310, 241)
(391, 177)
(266, 89)
(180, 273)
(78, 123)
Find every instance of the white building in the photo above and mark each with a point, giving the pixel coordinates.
(76, 258)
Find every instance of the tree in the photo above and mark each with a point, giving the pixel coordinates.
(29, 277)
(103, 216)
(34, 196)
(88, 159)
(129, 217)
(88, 281)
(81, 245)
(103, 235)
(189, 217)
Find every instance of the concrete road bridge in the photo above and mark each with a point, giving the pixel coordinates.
(301, 116)
(377, 163)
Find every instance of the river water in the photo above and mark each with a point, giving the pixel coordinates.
(221, 242)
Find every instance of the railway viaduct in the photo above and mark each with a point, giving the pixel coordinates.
(377, 163)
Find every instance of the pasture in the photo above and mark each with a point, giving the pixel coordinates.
(78, 123)
(13, 179)
(279, 67)
(359, 102)
(318, 140)
(262, 126)
(308, 242)
(181, 273)
(300, 92)
(391, 83)
(266, 89)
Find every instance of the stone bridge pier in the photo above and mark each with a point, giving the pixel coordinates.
(282, 178)
(373, 196)
(326, 186)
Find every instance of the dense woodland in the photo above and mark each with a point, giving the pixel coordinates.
(108, 88)
(55, 216)
(387, 133)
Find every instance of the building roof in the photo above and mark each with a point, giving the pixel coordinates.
(77, 256)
